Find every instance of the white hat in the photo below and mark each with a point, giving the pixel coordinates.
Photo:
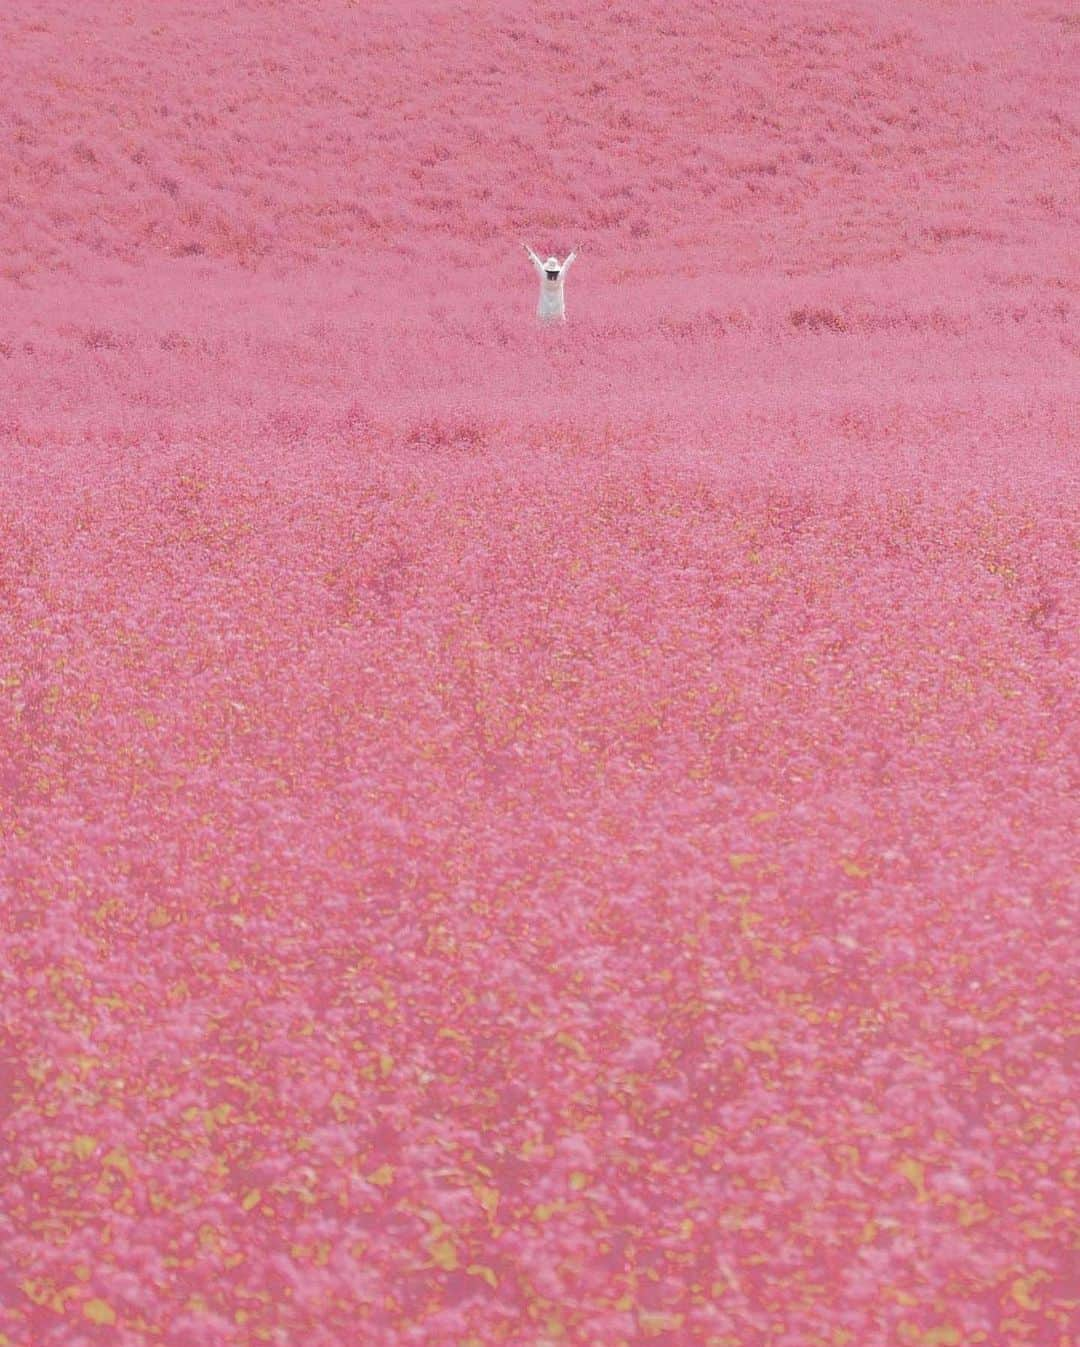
(552, 264)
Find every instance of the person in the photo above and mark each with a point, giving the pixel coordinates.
(552, 273)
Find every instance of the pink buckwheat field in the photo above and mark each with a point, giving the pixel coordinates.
(539, 834)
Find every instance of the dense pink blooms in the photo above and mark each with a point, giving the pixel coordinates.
(520, 836)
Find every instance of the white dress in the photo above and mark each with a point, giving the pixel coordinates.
(552, 304)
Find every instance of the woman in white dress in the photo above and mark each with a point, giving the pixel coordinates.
(552, 273)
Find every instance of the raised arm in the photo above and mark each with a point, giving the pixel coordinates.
(534, 259)
(566, 264)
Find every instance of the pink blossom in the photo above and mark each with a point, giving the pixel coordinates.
(512, 835)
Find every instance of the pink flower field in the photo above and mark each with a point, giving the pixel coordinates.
(544, 835)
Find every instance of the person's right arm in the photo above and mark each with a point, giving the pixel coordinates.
(534, 259)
